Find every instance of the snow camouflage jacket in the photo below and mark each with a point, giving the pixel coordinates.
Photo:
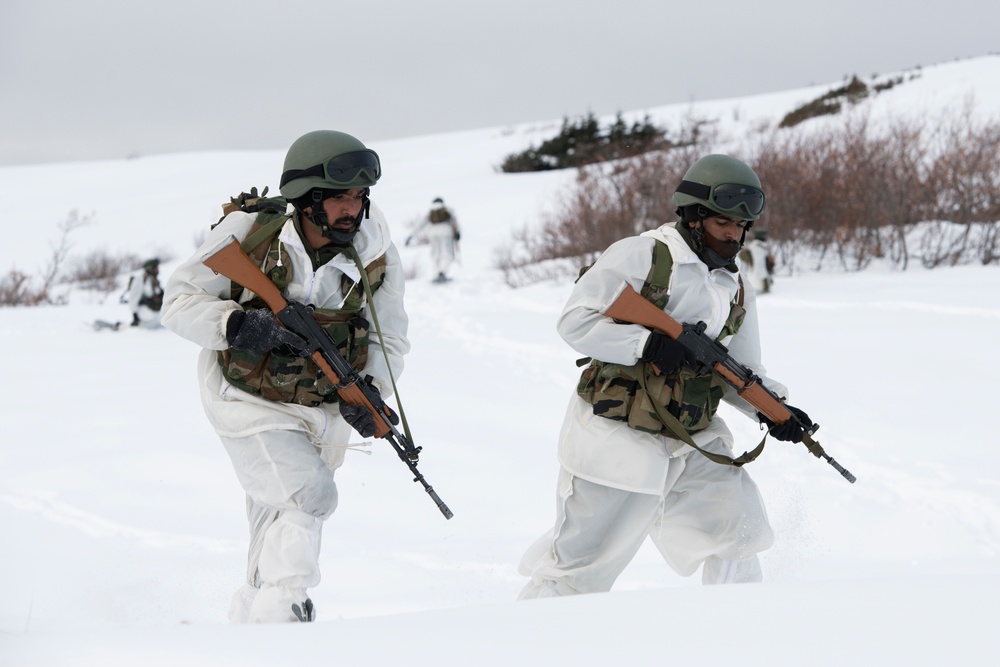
(281, 374)
(629, 393)
(610, 451)
(198, 303)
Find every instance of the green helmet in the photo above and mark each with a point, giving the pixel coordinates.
(722, 184)
(328, 160)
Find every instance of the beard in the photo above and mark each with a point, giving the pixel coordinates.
(728, 249)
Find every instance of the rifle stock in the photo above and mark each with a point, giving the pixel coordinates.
(231, 262)
(631, 307)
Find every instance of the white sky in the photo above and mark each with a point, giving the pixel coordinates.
(111, 78)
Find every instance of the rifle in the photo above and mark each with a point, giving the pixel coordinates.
(632, 307)
(234, 264)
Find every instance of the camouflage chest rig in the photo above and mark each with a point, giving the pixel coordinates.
(281, 375)
(636, 395)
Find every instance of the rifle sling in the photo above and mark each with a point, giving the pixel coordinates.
(378, 329)
(679, 432)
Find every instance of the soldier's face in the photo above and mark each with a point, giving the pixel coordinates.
(723, 234)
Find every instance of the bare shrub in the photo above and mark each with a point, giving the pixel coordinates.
(856, 192)
(100, 270)
(966, 180)
(18, 288)
(606, 203)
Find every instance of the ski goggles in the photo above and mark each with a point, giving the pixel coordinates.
(728, 197)
(340, 170)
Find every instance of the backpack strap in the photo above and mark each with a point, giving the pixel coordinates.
(268, 228)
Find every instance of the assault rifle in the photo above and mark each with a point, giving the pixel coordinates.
(632, 307)
(234, 264)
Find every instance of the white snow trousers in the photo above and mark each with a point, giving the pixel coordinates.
(290, 492)
(442, 240)
(708, 515)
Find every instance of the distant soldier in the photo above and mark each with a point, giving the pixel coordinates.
(757, 264)
(145, 295)
(443, 234)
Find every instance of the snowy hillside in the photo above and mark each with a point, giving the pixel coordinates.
(123, 524)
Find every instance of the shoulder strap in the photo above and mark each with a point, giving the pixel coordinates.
(663, 265)
(265, 227)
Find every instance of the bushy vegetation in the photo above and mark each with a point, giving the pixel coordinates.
(99, 271)
(832, 101)
(857, 192)
(582, 141)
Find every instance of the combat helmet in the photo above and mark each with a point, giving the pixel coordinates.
(721, 184)
(323, 164)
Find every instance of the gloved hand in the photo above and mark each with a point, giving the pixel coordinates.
(458, 236)
(359, 418)
(791, 430)
(665, 353)
(257, 330)
(408, 239)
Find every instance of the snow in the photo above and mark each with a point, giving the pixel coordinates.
(123, 525)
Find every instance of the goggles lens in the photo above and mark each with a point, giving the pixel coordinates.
(341, 170)
(729, 196)
(345, 168)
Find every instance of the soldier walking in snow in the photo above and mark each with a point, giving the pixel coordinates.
(277, 415)
(625, 471)
(443, 234)
(756, 263)
(145, 296)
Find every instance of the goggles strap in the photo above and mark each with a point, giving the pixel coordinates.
(293, 174)
(697, 190)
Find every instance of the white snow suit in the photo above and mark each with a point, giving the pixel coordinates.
(284, 454)
(618, 485)
(443, 237)
(141, 288)
(753, 265)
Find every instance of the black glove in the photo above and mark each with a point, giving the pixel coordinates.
(665, 353)
(359, 418)
(257, 330)
(791, 430)
(457, 236)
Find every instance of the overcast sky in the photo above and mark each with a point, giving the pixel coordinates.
(112, 78)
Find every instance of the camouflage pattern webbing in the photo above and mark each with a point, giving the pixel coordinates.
(439, 215)
(630, 393)
(281, 375)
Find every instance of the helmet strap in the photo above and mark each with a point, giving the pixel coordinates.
(317, 216)
(695, 236)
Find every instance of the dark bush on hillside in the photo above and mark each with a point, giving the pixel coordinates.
(582, 142)
(828, 103)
